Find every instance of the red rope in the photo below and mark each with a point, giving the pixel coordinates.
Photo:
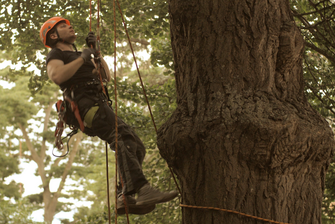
(107, 175)
(232, 211)
(116, 130)
(139, 75)
(116, 124)
(90, 15)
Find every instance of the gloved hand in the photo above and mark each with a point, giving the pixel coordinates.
(91, 40)
(86, 54)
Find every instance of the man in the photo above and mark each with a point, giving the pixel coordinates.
(76, 74)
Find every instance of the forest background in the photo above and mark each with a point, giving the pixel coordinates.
(28, 117)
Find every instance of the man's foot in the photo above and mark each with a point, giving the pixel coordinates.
(147, 195)
(133, 208)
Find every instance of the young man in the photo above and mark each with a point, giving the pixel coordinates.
(76, 74)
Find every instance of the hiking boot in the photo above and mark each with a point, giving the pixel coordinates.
(133, 208)
(147, 195)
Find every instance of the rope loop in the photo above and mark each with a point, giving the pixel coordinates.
(232, 211)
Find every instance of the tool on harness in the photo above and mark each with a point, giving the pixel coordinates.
(62, 118)
(72, 133)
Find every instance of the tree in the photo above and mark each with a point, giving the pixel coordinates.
(20, 114)
(243, 136)
(13, 208)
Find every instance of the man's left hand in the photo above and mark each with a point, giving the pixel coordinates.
(91, 40)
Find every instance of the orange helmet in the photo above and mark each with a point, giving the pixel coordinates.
(48, 25)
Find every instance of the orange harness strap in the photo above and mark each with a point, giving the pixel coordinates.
(75, 110)
(62, 119)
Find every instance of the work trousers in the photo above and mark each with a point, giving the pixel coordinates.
(130, 151)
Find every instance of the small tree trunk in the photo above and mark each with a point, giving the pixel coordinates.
(50, 204)
(50, 199)
(243, 136)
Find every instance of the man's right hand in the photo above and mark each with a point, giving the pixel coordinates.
(86, 54)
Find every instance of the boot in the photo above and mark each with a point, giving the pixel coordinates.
(147, 195)
(133, 208)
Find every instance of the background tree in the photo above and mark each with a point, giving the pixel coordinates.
(13, 208)
(243, 136)
(20, 113)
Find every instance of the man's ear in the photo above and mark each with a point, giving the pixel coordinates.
(53, 36)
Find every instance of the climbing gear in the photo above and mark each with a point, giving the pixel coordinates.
(133, 208)
(63, 119)
(232, 211)
(148, 195)
(61, 109)
(86, 54)
(48, 25)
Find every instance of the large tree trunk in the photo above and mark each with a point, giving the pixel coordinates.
(243, 136)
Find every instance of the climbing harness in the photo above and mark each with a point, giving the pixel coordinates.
(61, 108)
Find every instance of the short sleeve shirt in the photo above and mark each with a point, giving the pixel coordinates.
(83, 74)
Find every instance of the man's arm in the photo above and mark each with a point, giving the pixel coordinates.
(59, 73)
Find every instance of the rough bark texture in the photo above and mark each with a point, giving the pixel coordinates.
(243, 136)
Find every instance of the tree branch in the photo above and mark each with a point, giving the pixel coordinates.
(320, 51)
(34, 155)
(45, 126)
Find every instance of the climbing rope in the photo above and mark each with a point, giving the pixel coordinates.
(116, 130)
(98, 63)
(232, 211)
(143, 88)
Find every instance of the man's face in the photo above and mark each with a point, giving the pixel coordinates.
(66, 32)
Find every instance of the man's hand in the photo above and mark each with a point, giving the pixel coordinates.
(86, 54)
(91, 40)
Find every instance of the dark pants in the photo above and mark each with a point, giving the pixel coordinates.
(131, 150)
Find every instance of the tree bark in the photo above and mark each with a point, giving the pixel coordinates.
(243, 136)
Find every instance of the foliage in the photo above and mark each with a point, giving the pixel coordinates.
(316, 21)
(16, 212)
(13, 209)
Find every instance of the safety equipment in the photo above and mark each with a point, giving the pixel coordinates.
(86, 54)
(48, 25)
